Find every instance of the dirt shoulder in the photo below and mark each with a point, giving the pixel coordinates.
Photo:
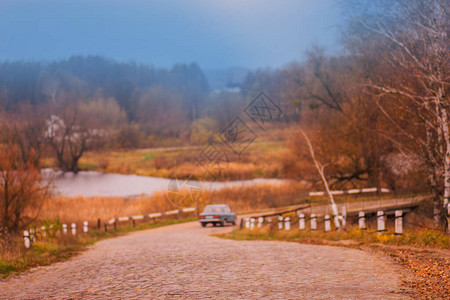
(426, 271)
(429, 275)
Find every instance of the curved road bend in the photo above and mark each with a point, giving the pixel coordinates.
(182, 261)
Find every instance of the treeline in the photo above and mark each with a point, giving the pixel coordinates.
(94, 76)
(379, 114)
(158, 103)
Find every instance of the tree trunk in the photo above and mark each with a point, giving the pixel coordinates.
(446, 137)
(75, 168)
(320, 170)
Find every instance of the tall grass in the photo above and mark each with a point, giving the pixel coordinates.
(79, 209)
(241, 199)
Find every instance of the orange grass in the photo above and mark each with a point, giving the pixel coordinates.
(241, 199)
(79, 209)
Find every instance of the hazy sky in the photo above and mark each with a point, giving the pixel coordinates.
(213, 33)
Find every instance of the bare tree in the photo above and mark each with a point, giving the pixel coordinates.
(329, 96)
(412, 88)
(25, 131)
(76, 127)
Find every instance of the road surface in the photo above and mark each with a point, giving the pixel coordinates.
(183, 261)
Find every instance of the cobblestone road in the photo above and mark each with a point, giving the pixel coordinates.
(182, 261)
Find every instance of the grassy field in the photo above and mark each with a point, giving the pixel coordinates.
(261, 159)
(353, 236)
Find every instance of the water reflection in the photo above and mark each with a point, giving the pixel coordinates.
(92, 183)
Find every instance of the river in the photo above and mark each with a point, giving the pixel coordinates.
(92, 183)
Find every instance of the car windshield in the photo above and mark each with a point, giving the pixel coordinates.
(216, 209)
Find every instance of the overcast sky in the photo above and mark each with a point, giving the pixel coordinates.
(213, 33)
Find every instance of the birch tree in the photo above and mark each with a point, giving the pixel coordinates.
(412, 88)
(321, 170)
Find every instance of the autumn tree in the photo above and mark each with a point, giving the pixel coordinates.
(24, 129)
(409, 39)
(22, 190)
(341, 120)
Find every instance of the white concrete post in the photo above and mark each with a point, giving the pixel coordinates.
(26, 239)
(313, 222)
(287, 223)
(85, 226)
(260, 221)
(301, 221)
(252, 223)
(269, 220)
(337, 223)
(74, 229)
(280, 222)
(247, 222)
(32, 235)
(362, 220)
(380, 221)
(65, 228)
(344, 217)
(50, 229)
(398, 222)
(448, 217)
(327, 223)
(44, 231)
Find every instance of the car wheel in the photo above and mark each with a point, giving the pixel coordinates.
(203, 224)
(233, 223)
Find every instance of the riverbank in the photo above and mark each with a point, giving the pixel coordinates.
(259, 160)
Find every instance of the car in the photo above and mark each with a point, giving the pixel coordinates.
(217, 214)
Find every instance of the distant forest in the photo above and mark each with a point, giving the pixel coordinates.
(94, 76)
(160, 105)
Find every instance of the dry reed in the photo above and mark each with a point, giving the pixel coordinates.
(241, 199)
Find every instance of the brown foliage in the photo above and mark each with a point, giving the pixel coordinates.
(21, 191)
